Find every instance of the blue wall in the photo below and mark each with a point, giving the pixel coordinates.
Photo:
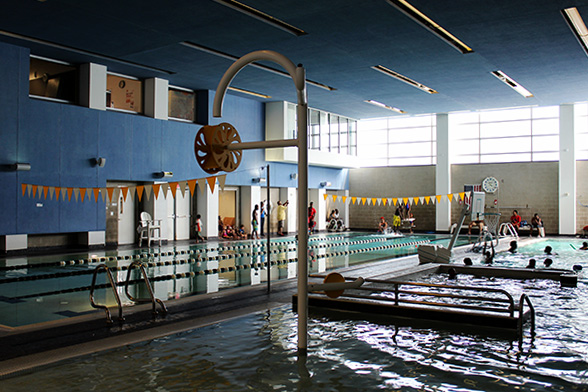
(60, 141)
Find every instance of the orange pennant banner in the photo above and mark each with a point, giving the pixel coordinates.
(192, 186)
(96, 193)
(69, 192)
(140, 189)
(156, 188)
(211, 181)
(125, 191)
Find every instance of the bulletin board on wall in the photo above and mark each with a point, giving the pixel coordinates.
(124, 93)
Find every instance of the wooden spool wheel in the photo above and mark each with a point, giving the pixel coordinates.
(210, 148)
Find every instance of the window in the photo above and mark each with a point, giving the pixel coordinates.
(52, 79)
(181, 104)
(401, 141)
(124, 93)
(331, 133)
(507, 135)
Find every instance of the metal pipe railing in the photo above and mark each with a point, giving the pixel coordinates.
(113, 285)
(151, 298)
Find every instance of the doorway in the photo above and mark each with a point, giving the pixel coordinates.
(178, 214)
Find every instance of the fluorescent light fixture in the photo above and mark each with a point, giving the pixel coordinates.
(429, 24)
(511, 83)
(402, 78)
(259, 15)
(218, 53)
(577, 25)
(385, 106)
(240, 90)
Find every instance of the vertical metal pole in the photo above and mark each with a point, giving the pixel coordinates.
(267, 218)
(302, 129)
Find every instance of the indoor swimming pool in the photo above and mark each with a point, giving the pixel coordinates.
(258, 352)
(46, 288)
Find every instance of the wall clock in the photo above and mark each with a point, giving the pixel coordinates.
(490, 184)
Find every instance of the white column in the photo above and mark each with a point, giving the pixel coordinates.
(156, 98)
(567, 170)
(93, 86)
(290, 195)
(207, 206)
(250, 196)
(317, 196)
(443, 173)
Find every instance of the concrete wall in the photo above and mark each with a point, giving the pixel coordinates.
(581, 195)
(389, 182)
(529, 187)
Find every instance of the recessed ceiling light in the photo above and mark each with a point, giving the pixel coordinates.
(511, 83)
(379, 104)
(240, 90)
(257, 14)
(403, 78)
(430, 25)
(577, 25)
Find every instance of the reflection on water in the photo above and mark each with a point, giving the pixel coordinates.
(258, 352)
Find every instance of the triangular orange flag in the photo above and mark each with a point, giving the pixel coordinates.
(192, 186)
(384, 200)
(394, 201)
(35, 191)
(156, 190)
(325, 196)
(405, 200)
(374, 201)
(334, 197)
(45, 190)
(462, 195)
(450, 196)
(140, 191)
(173, 187)
(353, 199)
(363, 199)
(57, 192)
(96, 193)
(109, 191)
(69, 192)
(344, 198)
(125, 191)
(24, 188)
(438, 198)
(83, 193)
(427, 199)
(211, 181)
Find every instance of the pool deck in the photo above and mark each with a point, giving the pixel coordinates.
(29, 347)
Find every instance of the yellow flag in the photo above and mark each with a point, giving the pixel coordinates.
(405, 200)
(427, 199)
(374, 201)
(438, 198)
(353, 199)
(450, 196)
(334, 197)
(344, 198)
(363, 200)
(462, 195)
(384, 200)
(325, 196)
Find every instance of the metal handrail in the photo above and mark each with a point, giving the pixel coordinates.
(396, 290)
(113, 285)
(525, 298)
(152, 298)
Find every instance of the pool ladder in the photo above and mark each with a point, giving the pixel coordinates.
(114, 284)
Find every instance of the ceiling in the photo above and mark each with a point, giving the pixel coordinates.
(527, 40)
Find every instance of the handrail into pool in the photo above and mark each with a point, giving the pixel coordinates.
(152, 298)
(525, 298)
(397, 300)
(113, 285)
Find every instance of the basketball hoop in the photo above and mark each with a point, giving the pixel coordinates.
(491, 220)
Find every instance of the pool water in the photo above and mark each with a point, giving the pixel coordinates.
(258, 352)
(46, 288)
